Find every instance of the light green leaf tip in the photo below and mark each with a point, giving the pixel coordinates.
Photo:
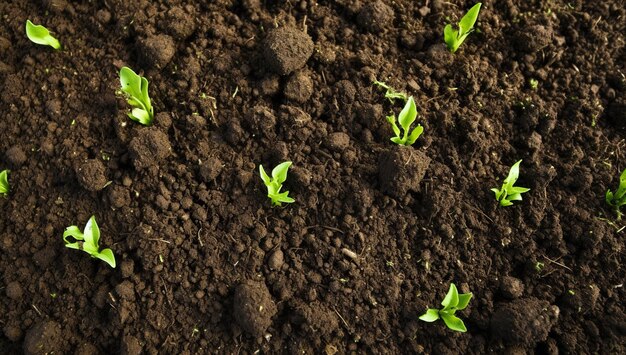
(40, 35)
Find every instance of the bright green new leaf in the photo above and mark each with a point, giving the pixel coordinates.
(40, 35)
(136, 88)
(406, 118)
(451, 303)
(454, 38)
(508, 192)
(88, 241)
(4, 183)
(431, 315)
(274, 184)
(454, 323)
(618, 199)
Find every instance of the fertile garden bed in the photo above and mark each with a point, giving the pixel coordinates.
(377, 232)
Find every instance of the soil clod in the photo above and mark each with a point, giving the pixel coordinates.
(253, 307)
(286, 50)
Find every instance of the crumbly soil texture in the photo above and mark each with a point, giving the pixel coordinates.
(205, 263)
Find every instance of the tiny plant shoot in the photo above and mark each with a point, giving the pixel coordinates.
(275, 183)
(40, 35)
(451, 303)
(406, 118)
(136, 87)
(87, 241)
(508, 192)
(454, 38)
(4, 183)
(391, 93)
(618, 199)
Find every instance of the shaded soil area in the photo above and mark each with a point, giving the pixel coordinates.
(377, 233)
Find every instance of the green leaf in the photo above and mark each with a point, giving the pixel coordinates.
(131, 83)
(107, 256)
(266, 179)
(467, 22)
(397, 140)
(464, 299)
(452, 298)
(513, 174)
(92, 232)
(450, 37)
(609, 197)
(504, 203)
(454, 323)
(392, 120)
(279, 174)
(407, 115)
(284, 198)
(140, 115)
(417, 132)
(74, 232)
(431, 315)
(4, 182)
(517, 190)
(40, 35)
(75, 245)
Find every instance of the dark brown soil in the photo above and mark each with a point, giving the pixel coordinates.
(377, 232)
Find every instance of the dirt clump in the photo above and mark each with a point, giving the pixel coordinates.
(15, 156)
(179, 23)
(149, 148)
(299, 87)
(156, 51)
(375, 16)
(524, 321)
(401, 169)
(43, 338)
(91, 174)
(253, 307)
(286, 50)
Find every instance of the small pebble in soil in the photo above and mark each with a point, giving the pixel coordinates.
(253, 307)
(91, 174)
(286, 50)
(276, 260)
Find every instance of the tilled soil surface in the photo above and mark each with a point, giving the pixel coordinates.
(205, 264)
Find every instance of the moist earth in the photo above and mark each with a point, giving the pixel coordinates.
(377, 232)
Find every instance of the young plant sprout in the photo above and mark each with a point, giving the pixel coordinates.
(618, 199)
(40, 35)
(406, 118)
(87, 241)
(508, 192)
(4, 183)
(454, 38)
(451, 303)
(275, 183)
(136, 87)
(391, 93)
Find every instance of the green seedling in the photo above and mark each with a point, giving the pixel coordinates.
(40, 35)
(454, 38)
(4, 183)
(451, 303)
(508, 192)
(391, 93)
(136, 87)
(618, 199)
(88, 240)
(275, 183)
(406, 118)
